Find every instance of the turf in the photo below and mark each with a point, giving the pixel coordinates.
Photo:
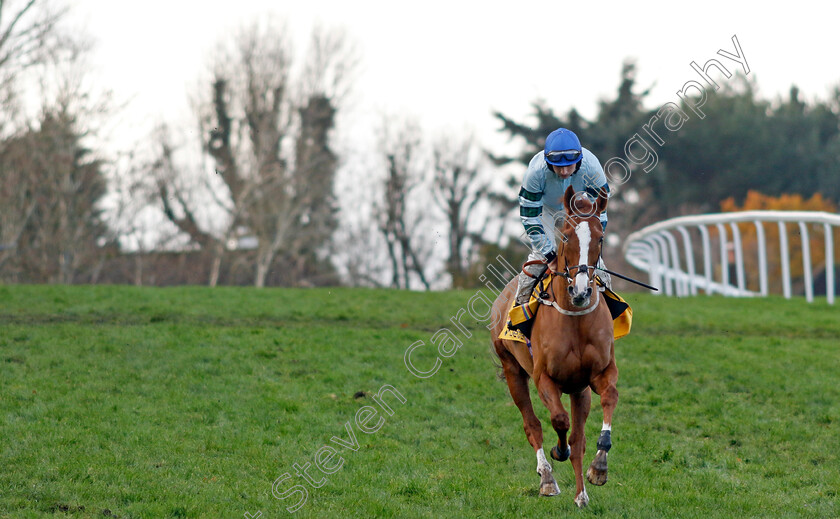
(192, 402)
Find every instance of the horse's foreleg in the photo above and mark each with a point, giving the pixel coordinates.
(580, 411)
(550, 395)
(517, 381)
(604, 385)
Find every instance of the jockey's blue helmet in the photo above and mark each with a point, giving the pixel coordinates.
(562, 148)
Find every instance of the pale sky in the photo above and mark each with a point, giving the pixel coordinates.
(451, 63)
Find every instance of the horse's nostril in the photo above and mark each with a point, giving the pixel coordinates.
(571, 290)
(588, 291)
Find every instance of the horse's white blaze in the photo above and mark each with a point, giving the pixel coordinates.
(542, 462)
(606, 427)
(584, 237)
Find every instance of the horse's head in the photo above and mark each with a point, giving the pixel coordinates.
(582, 236)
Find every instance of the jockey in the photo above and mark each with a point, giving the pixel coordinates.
(563, 163)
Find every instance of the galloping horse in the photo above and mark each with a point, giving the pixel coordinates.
(573, 351)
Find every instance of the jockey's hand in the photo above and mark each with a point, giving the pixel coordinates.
(552, 265)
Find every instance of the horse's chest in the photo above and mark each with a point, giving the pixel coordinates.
(570, 377)
(571, 363)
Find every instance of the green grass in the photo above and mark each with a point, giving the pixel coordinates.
(191, 402)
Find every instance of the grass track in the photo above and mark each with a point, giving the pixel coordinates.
(191, 402)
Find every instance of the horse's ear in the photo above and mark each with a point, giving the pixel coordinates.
(601, 203)
(567, 199)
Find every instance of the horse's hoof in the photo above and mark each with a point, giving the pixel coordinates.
(596, 477)
(549, 489)
(597, 472)
(582, 499)
(548, 486)
(555, 453)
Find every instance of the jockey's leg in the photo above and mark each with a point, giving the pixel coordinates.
(525, 282)
(603, 275)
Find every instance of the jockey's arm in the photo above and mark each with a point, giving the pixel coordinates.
(531, 208)
(530, 212)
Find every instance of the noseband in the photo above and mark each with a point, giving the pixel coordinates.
(567, 274)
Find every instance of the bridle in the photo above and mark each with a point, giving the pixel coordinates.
(567, 273)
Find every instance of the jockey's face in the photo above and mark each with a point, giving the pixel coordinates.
(564, 172)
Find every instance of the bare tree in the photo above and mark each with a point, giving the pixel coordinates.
(271, 151)
(301, 218)
(331, 64)
(401, 148)
(29, 34)
(181, 193)
(460, 187)
(32, 36)
(242, 124)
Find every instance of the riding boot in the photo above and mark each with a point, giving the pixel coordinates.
(526, 282)
(603, 275)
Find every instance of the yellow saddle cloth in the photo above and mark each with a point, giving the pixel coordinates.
(620, 310)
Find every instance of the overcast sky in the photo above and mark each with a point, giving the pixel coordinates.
(452, 63)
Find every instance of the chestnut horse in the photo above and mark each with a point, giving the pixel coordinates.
(573, 351)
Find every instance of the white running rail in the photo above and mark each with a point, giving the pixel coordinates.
(656, 250)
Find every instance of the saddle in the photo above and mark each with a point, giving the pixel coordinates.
(521, 317)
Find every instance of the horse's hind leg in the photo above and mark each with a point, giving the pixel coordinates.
(580, 411)
(604, 385)
(517, 381)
